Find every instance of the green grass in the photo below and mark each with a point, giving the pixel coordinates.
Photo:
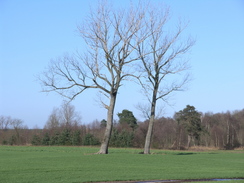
(79, 164)
(229, 181)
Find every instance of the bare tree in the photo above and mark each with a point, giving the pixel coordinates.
(111, 37)
(65, 116)
(68, 116)
(5, 122)
(17, 124)
(53, 121)
(160, 67)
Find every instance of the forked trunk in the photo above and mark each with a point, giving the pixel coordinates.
(109, 127)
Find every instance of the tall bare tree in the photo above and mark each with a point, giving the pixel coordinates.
(160, 56)
(111, 37)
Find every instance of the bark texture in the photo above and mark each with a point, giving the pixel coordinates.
(109, 127)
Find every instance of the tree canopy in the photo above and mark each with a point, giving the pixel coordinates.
(127, 117)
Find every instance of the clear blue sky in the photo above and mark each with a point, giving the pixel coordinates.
(33, 32)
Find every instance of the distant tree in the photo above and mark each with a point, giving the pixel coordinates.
(65, 116)
(5, 122)
(164, 133)
(103, 123)
(239, 127)
(208, 124)
(65, 137)
(191, 120)
(218, 130)
(121, 138)
(54, 140)
(232, 128)
(13, 140)
(46, 139)
(140, 134)
(127, 117)
(36, 140)
(69, 117)
(179, 132)
(53, 121)
(17, 125)
(76, 139)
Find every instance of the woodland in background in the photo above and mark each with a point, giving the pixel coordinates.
(220, 130)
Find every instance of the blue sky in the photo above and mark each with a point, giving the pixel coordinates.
(34, 32)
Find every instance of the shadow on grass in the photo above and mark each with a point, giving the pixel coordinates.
(185, 153)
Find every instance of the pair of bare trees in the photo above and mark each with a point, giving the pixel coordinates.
(65, 116)
(122, 44)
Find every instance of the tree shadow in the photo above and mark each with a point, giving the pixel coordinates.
(185, 153)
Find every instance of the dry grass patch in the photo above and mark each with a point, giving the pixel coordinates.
(203, 148)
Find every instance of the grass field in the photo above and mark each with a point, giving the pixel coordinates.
(79, 164)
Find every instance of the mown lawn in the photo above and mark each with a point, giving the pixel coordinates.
(79, 164)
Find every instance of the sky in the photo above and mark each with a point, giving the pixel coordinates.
(34, 32)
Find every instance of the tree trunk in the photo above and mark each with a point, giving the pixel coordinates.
(228, 133)
(109, 127)
(150, 125)
(216, 140)
(179, 142)
(17, 136)
(189, 142)
(149, 136)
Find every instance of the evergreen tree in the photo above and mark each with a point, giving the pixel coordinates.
(121, 139)
(55, 139)
(127, 117)
(65, 137)
(191, 120)
(46, 140)
(36, 140)
(103, 123)
(90, 139)
(76, 140)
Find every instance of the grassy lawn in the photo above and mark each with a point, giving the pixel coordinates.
(229, 181)
(79, 164)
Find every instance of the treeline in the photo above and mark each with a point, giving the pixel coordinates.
(220, 130)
